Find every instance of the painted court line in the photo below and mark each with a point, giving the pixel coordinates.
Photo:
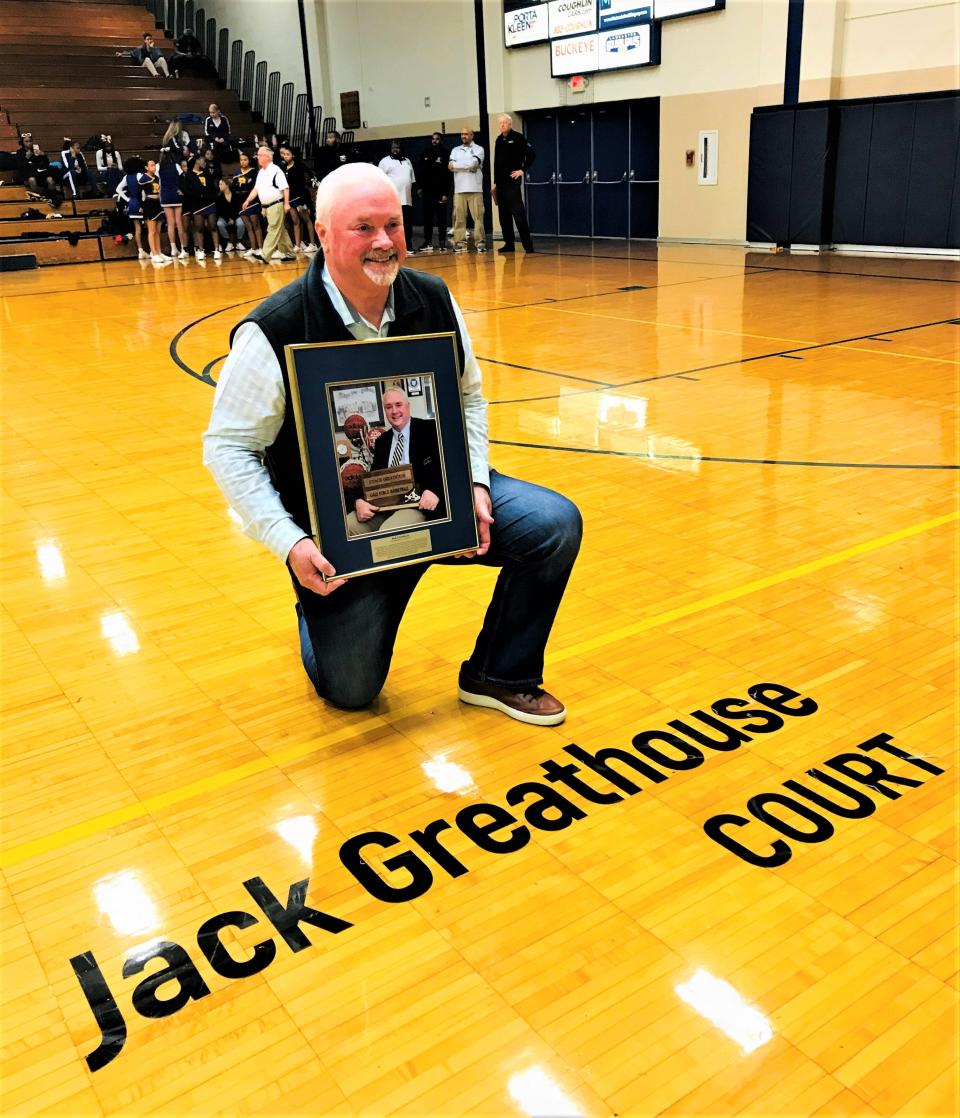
(736, 592)
(15, 855)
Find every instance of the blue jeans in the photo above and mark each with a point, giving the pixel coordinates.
(347, 638)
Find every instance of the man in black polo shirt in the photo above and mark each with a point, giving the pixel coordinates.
(513, 156)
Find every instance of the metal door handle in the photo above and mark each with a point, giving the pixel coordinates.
(631, 175)
(559, 176)
(586, 177)
(624, 177)
(553, 178)
(595, 173)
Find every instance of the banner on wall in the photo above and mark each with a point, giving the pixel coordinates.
(622, 13)
(525, 25)
(572, 17)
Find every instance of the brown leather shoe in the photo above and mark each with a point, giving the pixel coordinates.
(535, 706)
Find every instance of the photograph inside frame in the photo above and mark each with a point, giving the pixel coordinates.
(389, 454)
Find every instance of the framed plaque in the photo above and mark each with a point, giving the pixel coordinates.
(386, 470)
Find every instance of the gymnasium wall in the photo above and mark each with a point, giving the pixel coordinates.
(716, 68)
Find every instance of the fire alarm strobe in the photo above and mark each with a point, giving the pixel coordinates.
(578, 83)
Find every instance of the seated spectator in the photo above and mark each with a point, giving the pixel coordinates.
(188, 58)
(109, 164)
(76, 177)
(229, 222)
(216, 128)
(35, 172)
(149, 57)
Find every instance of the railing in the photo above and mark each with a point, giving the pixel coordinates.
(260, 89)
(329, 125)
(285, 121)
(300, 131)
(223, 51)
(273, 99)
(249, 64)
(200, 27)
(236, 65)
(210, 39)
(178, 23)
(189, 19)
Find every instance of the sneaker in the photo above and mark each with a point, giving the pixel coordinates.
(229, 247)
(411, 251)
(506, 248)
(200, 254)
(298, 248)
(458, 248)
(249, 254)
(217, 254)
(258, 252)
(158, 259)
(426, 248)
(442, 248)
(481, 248)
(535, 706)
(183, 254)
(310, 248)
(143, 255)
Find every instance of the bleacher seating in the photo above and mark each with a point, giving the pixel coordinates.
(60, 76)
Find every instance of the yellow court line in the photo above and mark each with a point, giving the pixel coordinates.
(15, 855)
(896, 353)
(736, 592)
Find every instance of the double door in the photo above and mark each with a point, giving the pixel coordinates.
(597, 169)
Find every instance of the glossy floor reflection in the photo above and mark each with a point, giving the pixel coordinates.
(232, 899)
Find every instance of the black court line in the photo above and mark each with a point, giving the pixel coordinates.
(175, 356)
(727, 364)
(721, 458)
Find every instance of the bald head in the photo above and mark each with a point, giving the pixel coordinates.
(360, 226)
(349, 182)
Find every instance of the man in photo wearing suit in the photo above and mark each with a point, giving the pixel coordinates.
(411, 442)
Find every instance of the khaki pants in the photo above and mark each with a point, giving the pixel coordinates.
(277, 238)
(161, 65)
(462, 203)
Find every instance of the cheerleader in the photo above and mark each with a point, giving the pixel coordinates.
(109, 164)
(171, 199)
(149, 183)
(200, 191)
(299, 179)
(240, 185)
(129, 192)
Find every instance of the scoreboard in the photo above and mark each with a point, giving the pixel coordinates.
(591, 36)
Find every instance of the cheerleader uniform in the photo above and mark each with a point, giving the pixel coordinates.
(298, 179)
(199, 194)
(150, 192)
(129, 190)
(241, 184)
(170, 184)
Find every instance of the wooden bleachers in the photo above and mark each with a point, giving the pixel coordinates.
(60, 76)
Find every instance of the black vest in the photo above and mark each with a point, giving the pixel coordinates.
(302, 312)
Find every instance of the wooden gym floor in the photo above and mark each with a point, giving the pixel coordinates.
(765, 452)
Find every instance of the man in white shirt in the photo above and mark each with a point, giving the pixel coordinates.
(273, 193)
(466, 162)
(399, 170)
(355, 288)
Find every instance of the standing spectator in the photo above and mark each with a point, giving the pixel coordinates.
(149, 57)
(171, 198)
(75, 173)
(466, 163)
(109, 164)
(332, 155)
(272, 191)
(301, 199)
(399, 170)
(200, 193)
(216, 128)
(240, 186)
(513, 156)
(433, 175)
